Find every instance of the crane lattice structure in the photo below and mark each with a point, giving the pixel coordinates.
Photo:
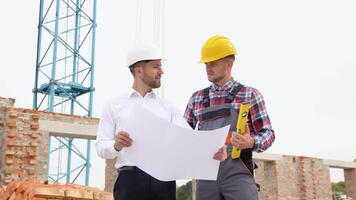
(64, 78)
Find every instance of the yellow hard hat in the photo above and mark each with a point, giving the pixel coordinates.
(217, 47)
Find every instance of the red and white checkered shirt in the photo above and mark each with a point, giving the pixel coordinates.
(259, 122)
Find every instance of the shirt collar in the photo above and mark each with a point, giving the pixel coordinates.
(133, 93)
(227, 87)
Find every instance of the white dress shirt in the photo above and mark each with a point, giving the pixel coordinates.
(116, 113)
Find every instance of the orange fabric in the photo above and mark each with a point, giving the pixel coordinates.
(228, 139)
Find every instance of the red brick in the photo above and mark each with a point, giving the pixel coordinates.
(33, 162)
(10, 152)
(9, 108)
(9, 160)
(11, 124)
(35, 135)
(12, 113)
(11, 133)
(31, 171)
(35, 125)
(35, 117)
(32, 153)
(17, 144)
(33, 144)
(7, 181)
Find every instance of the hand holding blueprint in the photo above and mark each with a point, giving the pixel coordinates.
(168, 152)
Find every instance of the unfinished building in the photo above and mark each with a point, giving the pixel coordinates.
(24, 139)
(24, 153)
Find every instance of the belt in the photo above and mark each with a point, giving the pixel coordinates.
(128, 168)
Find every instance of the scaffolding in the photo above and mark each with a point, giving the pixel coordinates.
(64, 78)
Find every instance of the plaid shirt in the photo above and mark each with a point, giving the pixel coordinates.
(259, 122)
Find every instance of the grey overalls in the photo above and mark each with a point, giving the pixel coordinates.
(235, 177)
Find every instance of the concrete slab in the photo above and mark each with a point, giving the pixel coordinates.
(66, 129)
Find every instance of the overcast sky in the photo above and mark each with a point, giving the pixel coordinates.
(301, 55)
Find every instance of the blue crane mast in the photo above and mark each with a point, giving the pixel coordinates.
(64, 78)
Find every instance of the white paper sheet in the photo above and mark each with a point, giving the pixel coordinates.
(168, 152)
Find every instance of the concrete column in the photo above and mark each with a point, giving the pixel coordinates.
(110, 174)
(194, 188)
(42, 157)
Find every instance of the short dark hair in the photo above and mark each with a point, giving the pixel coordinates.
(133, 66)
(232, 57)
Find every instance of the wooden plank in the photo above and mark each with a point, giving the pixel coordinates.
(19, 196)
(25, 190)
(78, 194)
(2, 193)
(12, 197)
(47, 192)
(106, 196)
(30, 187)
(11, 188)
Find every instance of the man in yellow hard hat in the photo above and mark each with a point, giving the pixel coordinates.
(217, 106)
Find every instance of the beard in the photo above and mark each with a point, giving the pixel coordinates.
(216, 79)
(151, 82)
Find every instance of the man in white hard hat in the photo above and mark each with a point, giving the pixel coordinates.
(144, 62)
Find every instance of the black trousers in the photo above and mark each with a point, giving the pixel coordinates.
(135, 184)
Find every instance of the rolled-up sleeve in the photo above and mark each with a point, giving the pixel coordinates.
(105, 138)
(189, 112)
(261, 125)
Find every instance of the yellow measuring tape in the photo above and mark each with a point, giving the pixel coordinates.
(241, 127)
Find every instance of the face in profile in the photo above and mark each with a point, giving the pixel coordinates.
(152, 73)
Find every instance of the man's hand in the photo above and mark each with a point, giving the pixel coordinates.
(221, 154)
(244, 141)
(122, 139)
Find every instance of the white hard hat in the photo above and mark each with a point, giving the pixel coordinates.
(143, 52)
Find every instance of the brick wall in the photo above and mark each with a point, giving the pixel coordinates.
(20, 136)
(314, 179)
(266, 177)
(24, 147)
(3, 140)
(321, 179)
(294, 178)
(350, 182)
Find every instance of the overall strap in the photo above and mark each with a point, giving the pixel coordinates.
(230, 98)
(206, 98)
